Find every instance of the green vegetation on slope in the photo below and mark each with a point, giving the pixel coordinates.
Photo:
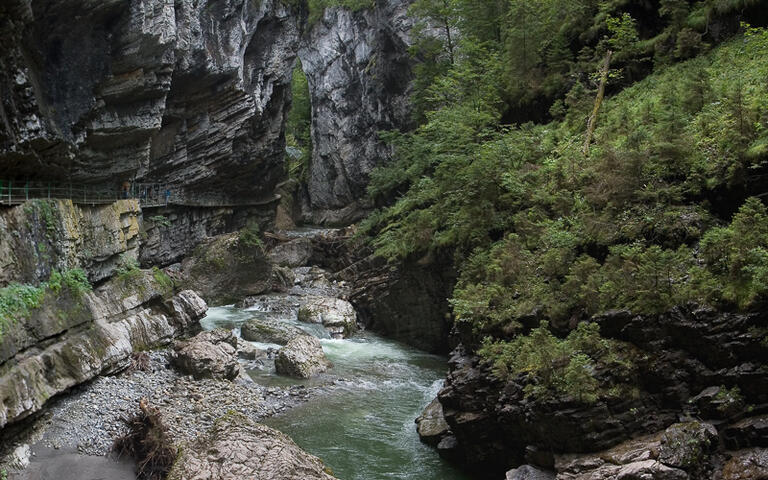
(297, 127)
(657, 213)
(17, 300)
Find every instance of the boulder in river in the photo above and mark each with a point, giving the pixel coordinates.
(431, 424)
(335, 314)
(302, 357)
(269, 330)
(687, 445)
(211, 354)
(237, 448)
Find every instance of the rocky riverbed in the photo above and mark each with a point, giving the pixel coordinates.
(90, 417)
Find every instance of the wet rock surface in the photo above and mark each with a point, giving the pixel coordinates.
(269, 330)
(189, 407)
(431, 425)
(236, 448)
(210, 354)
(302, 357)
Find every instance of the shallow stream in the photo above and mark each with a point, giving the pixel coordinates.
(363, 427)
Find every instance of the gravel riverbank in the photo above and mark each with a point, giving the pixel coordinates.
(89, 418)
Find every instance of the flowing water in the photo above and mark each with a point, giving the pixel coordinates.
(363, 427)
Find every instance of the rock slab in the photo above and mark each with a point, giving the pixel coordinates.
(302, 357)
(237, 448)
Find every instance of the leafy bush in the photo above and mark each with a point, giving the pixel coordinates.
(250, 236)
(127, 268)
(17, 300)
(552, 365)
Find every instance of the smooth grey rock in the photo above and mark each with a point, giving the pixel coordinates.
(294, 253)
(431, 425)
(269, 330)
(527, 472)
(338, 316)
(237, 448)
(359, 74)
(302, 357)
(211, 354)
(248, 351)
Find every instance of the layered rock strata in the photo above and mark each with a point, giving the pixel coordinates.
(359, 74)
(96, 336)
(687, 363)
(41, 236)
(191, 94)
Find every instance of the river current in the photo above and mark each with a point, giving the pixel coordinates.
(362, 426)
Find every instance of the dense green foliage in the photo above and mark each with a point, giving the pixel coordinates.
(17, 300)
(298, 139)
(554, 365)
(250, 237)
(657, 213)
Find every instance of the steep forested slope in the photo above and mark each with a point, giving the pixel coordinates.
(550, 222)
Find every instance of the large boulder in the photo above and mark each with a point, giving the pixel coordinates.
(269, 330)
(238, 448)
(211, 354)
(431, 424)
(528, 472)
(226, 268)
(294, 253)
(302, 357)
(335, 314)
(687, 445)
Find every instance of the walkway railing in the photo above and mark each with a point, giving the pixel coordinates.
(14, 192)
(149, 194)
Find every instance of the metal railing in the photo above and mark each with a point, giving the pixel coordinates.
(15, 192)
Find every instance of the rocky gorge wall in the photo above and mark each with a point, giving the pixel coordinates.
(187, 93)
(687, 365)
(359, 74)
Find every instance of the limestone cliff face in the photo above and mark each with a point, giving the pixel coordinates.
(359, 74)
(187, 92)
(73, 337)
(45, 235)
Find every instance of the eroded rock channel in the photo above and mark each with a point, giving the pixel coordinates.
(292, 357)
